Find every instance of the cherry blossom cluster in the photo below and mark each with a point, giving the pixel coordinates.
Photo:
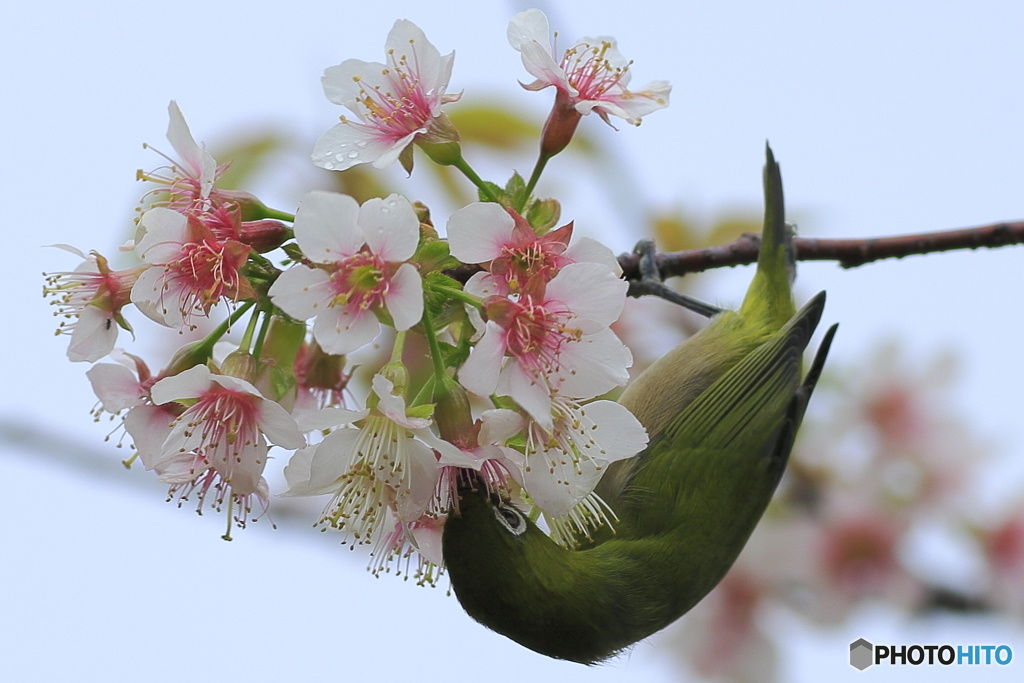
(276, 304)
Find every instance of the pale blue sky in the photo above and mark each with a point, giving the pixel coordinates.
(887, 117)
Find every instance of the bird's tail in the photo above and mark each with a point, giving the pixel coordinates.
(770, 297)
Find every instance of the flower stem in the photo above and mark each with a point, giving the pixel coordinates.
(222, 329)
(542, 161)
(440, 371)
(399, 346)
(475, 179)
(278, 215)
(261, 336)
(249, 329)
(459, 294)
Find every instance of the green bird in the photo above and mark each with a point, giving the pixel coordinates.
(722, 411)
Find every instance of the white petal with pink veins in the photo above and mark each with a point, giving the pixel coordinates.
(404, 298)
(342, 83)
(595, 364)
(499, 425)
(393, 406)
(619, 434)
(532, 393)
(116, 386)
(391, 227)
(164, 233)
(479, 374)
(592, 292)
(148, 426)
(348, 144)
(587, 250)
(531, 25)
(421, 58)
(477, 232)
(341, 330)
(325, 226)
(188, 384)
(156, 303)
(279, 426)
(302, 292)
(94, 336)
(200, 164)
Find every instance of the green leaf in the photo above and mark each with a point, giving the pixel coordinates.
(543, 215)
(515, 190)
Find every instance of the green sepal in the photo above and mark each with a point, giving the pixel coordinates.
(294, 253)
(516, 193)
(432, 254)
(495, 190)
(425, 411)
(261, 274)
(543, 215)
(277, 358)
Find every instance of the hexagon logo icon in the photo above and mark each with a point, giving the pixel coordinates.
(861, 654)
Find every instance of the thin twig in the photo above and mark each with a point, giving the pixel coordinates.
(850, 253)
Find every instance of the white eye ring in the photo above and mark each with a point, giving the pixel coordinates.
(511, 518)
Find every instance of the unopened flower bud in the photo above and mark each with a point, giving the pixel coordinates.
(453, 414)
(240, 364)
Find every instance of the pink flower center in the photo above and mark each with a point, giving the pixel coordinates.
(205, 271)
(229, 423)
(400, 111)
(517, 264)
(534, 334)
(359, 281)
(589, 71)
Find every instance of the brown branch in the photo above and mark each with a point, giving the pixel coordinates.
(850, 253)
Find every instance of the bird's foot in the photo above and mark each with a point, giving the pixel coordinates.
(651, 283)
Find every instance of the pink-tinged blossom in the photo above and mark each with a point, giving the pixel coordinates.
(359, 255)
(555, 340)
(589, 76)
(219, 443)
(420, 537)
(486, 454)
(90, 299)
(394, 102)
(565, 461)
(369, 468)
(190, 271)
(125, 386)
(190, 183)
(504, 242)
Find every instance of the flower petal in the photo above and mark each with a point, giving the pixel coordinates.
(341, 330)
(592, 292)
(94, 336)
(479, 374)
(391, 228)
(404, 298)
(349, 144)
(325, 226)
(188, 384)
(477, 232)
(164, 231)
(302, 292)
(116, 386)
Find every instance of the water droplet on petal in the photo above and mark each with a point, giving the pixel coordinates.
(329, 165)
(360, 144)
(339, 157)
(353, 155)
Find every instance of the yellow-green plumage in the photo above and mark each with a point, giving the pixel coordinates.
(722, 411)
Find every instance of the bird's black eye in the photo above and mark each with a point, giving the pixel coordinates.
(511, 518)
